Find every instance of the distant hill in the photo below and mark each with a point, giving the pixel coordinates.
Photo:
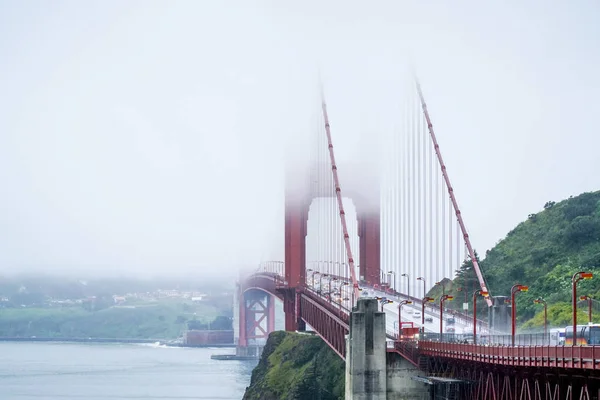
(543, 252)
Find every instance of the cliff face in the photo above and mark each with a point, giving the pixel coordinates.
(297, 366)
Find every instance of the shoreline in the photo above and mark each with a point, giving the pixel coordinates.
(111, 340)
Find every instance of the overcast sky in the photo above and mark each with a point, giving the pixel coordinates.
(145, 135)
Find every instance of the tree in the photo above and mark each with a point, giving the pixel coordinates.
(221, 323)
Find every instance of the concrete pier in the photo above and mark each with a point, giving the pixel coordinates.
(366, 372)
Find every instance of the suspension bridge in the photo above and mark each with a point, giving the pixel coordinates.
(365, 242)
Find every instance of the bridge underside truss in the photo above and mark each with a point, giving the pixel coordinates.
(331, 324)
(495, 382)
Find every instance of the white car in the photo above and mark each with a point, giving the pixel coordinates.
(417, 314)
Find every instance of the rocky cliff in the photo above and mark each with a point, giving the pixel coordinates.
(297, 366)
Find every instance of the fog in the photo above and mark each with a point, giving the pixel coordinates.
(149, 137)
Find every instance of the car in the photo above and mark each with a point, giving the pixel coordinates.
(417, 314)
(450, 321)
(450, 329)
(428, 319)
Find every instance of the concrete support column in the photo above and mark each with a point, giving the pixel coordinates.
(366, 374)
(500, 314)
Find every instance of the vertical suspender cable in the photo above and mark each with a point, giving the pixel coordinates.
(458, 247)
(419, 198)
(443, 238)
(414, 192)
(423, 133)
(431, 215)
(450, 244)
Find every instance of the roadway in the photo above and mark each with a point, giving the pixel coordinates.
(391, 310)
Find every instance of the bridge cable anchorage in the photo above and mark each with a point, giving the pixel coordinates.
(451, 193)
(338, 194)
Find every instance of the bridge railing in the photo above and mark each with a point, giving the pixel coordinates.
(576, 357)
(526, 339)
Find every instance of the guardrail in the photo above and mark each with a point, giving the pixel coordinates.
(578, 357)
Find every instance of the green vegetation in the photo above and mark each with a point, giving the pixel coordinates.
(124, 308)
(297, 366)
(160, 320)
(543, 253)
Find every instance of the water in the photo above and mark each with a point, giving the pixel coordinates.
(53, 371)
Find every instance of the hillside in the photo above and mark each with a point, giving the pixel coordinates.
(297, 366)
(543, 252)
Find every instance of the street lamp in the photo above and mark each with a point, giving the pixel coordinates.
(330, 280)
(443, 285)
(407, 284)
(392, 273)
(542, 301)
(425, 299)
(589, 301)
(384, 302)
(321, 283)
(424, 288)
(342, 289)
(403, 302)
(513, 291)
(475, 293)
(442, 300)
(462, 290)
(313, 278)
(576, 278)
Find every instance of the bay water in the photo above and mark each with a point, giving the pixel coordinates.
(53, 371)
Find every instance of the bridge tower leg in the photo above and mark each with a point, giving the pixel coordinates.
(366, 370)
(369, 243)
(256, 322)
(296, 218)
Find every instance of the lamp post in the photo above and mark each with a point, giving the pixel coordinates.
(543, 302)
(342, 288)
(475, 293)
(331, 279)
(384, 302)
(392, 273)
(424, 288)
(513, 291)
(313, 278)
(321, 283)
(425, 299)
(442, 300)
(589, 301)
(407, 284)
(577, 276)
(443, 287)
(403, 302)
(460, 289)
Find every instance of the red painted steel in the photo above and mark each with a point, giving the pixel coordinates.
(565, 357)
(258, 312)
(485, 372)
(370, 246)
(329, 323)
(451, 193)
(242, 341)
(296, 214)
